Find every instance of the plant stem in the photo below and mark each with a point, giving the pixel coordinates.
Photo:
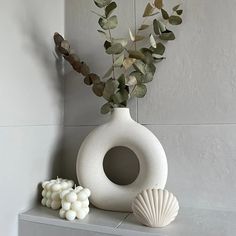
(113, 59)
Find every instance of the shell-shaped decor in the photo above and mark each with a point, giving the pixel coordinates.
(155, 207)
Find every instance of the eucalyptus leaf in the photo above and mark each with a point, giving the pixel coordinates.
(108, 73)
(167, 35)
(102, 3)
(148, 77)
(139, 91)
(158, 4)
(175, 8)
(84, 70)
(106, 108)
(156, 27)
(64, 47)
(131, 81)
(128, 62)
(122, 41)
(116, 48)
(148, 55)
(160, 49)
(148, 10)
(58, 39)
(131, 35)
(150, 68)
(139, 38)
(121, 96)
(107, 44)
(143, 27)
(175, 20)
(152, 41)
(110, 88)
(109, 23)
(121, 81)
(98, 88)
(138, 75)
(136, 55)
(164, 13)
(179, 12)
(110, 8)
(139, 66)
(119, 61)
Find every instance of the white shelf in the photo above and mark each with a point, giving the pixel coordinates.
(190, 222)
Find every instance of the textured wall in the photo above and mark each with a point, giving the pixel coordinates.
(31, 103)
(190, 105)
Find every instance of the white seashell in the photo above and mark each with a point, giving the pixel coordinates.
(155, 207)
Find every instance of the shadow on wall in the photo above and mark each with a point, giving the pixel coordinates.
(38, 44)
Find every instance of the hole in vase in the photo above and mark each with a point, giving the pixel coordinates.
(121, 165)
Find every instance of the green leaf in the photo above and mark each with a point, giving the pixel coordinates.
(167, 35)
(131, 81)
(158, 27)
(175, 20)
(157, 57)
(102, 3)
(122, 41)
(139, 76)
(106, 108)
(148, 77)
(109, 23)
(136, 55)
(158, 4)
(108, 73)
(121, 81)
(175, 8)
(121, 96)
(107, 44)
(116, 48)
(128, 62)
(179, 12)
(110, 8)
(152, 41)
(91, 79)
(164, 14)
(111, 87)
(138, 38)
(150, 68)
(119, 61)
(160, 49)
(150, 71)
(148, 55)
(139, 91)
(139, 66)
(148, 10)
(143, 27)
(98, 88)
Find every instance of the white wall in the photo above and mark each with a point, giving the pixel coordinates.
(190, 105)
(31, 103)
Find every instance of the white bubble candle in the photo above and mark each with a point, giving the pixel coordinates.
(75, 203)
(51, 192)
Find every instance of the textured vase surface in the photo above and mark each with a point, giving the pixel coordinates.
(120, 130)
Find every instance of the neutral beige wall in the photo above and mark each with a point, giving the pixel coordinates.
(31, 103)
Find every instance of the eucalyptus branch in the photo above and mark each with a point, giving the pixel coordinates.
(113, 58)
(138, 65)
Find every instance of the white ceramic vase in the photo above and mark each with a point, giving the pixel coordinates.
(120, 130)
